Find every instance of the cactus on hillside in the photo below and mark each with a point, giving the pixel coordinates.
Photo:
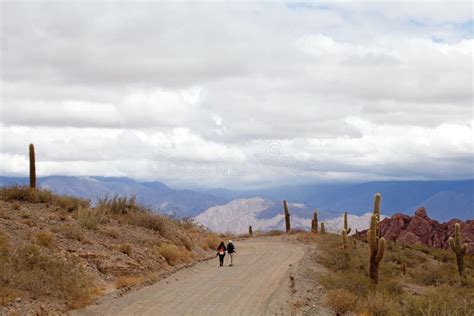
(404, 268)
(345, 240)
(322, 230)
(459, 249)
(250, 231)
(287, 216)
(376, 249)
(32, 167)
(376, 244)
(348, 230)
(314, 222)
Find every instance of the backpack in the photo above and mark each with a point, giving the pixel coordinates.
(230, 248)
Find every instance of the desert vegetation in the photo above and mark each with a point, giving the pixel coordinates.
(370, 276)
(59, 252)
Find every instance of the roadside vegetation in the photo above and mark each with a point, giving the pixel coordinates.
(413, 280)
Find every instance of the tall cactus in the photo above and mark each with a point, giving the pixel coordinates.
(314, 222)
(287, 216)
(376, 244)
(459, 249)
(32, 167)
(250, 231)
(348, 230)
(323, 230)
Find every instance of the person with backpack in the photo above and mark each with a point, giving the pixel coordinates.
(231, 251)
(221, 253)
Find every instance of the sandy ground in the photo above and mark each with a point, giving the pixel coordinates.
(256, 285)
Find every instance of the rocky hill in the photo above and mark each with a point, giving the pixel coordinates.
(58, 253)
(422, 229)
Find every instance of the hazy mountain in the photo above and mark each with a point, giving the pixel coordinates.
(443, 199)
(155, 195)
(238, 215)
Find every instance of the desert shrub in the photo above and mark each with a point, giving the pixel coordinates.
(433, 274)
(114, 233)
(172, 253)
(72, 232)
(443, 300)
(44, 238)
(420, 247)
(341, 301)
(16, 206)
(26, 194)
(71, 203)
(151, 221)
(49, 275)
(119, 204)
(90, 218)
(186, 242)
(210, 242)
(125, 248)
(25, 214)
(351, 281)
(442, 255)
(379, 304)
(127, 281)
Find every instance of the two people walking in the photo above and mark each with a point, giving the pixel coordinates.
(221, 250)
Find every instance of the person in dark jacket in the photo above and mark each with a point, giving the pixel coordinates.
(221, 253)
(231, 251)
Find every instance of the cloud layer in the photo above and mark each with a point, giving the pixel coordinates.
(238, 95)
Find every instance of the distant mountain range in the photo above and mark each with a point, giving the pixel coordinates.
(443, 200)
(239, 214)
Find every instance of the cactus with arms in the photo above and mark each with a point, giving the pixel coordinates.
(376, 244)
(32, 167)
(459, 249)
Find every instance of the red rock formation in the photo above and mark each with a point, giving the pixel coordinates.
(421, 229)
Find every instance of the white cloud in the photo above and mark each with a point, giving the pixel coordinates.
(364, 91)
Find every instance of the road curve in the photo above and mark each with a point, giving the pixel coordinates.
(250, 287)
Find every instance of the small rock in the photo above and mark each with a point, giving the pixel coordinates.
(177, 279)
(18, 299)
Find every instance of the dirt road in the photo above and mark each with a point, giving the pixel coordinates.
(256, 285)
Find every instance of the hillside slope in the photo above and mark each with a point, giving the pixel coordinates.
(57, 253)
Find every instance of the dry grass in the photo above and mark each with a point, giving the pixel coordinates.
(29, 270)
(25, 194)
(45, 239)
(125, 248)
(127, 281)
(119, 204)
(90, 218)
(341, 301)
(210, 242)
(172, 253)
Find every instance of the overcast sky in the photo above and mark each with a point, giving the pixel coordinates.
(238, 94)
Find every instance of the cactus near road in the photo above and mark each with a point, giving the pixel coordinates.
(314, 222)
(287, 216)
